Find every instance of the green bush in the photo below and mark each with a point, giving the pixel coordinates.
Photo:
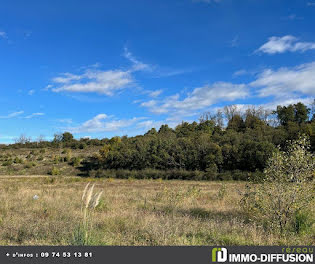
(75, 161)
(155, 174)
(54, 171)
(82, 146)
(29, 165)
(7, 163)
(42, 151)
(57, 159)
(303, 222)
(288, 189)
(18, 160)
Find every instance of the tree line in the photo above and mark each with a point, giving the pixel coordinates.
(230, 140)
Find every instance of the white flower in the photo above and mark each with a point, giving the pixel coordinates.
(35, 197)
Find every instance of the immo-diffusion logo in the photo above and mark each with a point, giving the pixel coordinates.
(294, 255)
(219, 254)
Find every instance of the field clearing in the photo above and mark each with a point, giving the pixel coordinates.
(130, 212)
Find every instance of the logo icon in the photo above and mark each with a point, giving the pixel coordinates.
(219, 254)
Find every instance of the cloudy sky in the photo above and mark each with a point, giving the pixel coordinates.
(104, 68)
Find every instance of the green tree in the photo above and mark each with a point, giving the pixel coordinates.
(285, 114)
(288, 187)
(67, 137)
(301, 113)
(236, 123)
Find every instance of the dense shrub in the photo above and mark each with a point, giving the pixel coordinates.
(287, 191)
(18, 160)
(204, 150)
(54, 171)
(29, 165)
(7, 163)
(75, 161)
(162, 174)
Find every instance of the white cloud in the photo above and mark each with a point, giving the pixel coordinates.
(198, 99)
(12, 115)
(137, 65)
(235, 41)
(294, 17)
(285, 44)
(157, 71)
(240, 73)
(66, 120)
(19, 113)
(34, 115)
(27, 34)
(284, 102)
(286, 82)
(162, 72)
(93, 81)
(283, 86)
(3, 35)
(67, 78)
(273, 104)
(150, 104)
(31, 92)
(148, 124)
(103, 123)
(310, 4)
(155, 93)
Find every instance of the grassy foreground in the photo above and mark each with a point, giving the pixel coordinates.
(130, 212)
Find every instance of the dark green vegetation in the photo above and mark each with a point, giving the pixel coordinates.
(283, 201)
(228, 145)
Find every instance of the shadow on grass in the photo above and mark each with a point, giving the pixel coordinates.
(201, 213)
(87, 166)
(197, 212)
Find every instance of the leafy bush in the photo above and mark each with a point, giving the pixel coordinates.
(162, 174)
(7, 163)
(54, 171)
(303, 222)
(42, 151)
(29, 165)
(82, 146)
(57, 159)
(288, 188)
(18, 160)
(33, 152)
(75, 161)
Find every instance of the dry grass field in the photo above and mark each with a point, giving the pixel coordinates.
(47, 210)
(24, 161)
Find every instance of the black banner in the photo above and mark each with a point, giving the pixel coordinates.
(161, 255)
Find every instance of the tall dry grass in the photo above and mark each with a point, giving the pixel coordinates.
(128, 212)
(89, 202)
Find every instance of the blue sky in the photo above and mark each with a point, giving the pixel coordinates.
(105, 68)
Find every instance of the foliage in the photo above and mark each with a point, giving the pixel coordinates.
(287, 190)
(18, 160)
(7, 163)
(75, 161)
(204, 150)
(54, 171)
(29, 165)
